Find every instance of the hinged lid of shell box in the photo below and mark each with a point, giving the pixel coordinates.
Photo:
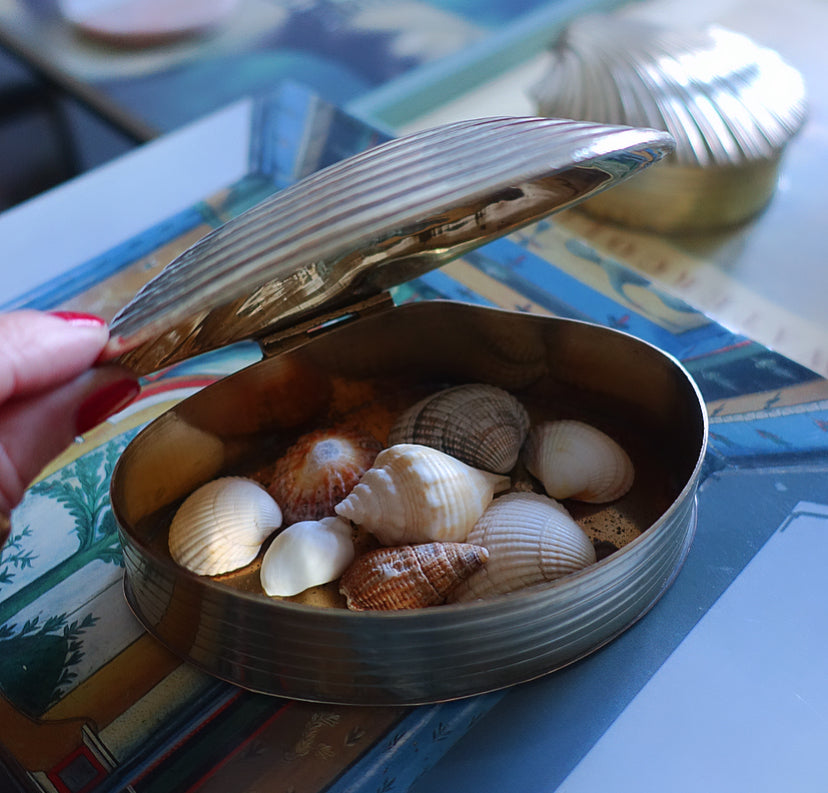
(372, 221)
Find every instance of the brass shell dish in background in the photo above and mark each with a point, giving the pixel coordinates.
(731, 104)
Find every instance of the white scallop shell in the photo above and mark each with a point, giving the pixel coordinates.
(573, 459)
(195, 455)
(531, 539)
(221, 526)
(480, 424)
(415, 494)
(306, 554)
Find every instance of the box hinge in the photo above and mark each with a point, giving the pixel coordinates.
(296, 335)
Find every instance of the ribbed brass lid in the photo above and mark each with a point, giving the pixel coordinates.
(375, 220)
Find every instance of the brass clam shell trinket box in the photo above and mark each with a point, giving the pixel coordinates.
(731, 105)
(305, 274)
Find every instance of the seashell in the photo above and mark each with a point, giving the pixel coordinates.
(319, 470)
(221, 526)
(531, 539)
(731, 104)
(409, 576)
(512, 353)
(196, 456)
(481, 425)
(576, 460)
(306, 554)
(414, 494)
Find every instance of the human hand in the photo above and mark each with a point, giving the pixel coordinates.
(50, 393)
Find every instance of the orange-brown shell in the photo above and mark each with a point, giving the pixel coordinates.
(409, 576)
(319, 470)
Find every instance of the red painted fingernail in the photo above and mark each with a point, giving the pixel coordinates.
(103, 403)
(79, 318)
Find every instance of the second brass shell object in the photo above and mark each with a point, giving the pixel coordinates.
(731, 105)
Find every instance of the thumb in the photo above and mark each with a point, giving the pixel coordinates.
(35, 430)
(40, 351)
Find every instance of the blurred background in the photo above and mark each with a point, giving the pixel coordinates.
(82, 81)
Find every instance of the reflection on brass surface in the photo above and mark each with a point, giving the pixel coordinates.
(731, 105)
(373, 221)
(376, 366)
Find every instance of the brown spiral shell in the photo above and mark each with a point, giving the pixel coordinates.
(409, 576)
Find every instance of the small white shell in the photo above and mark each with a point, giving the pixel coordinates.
(530, 539)
(221, 526)
(576, 460)
(416, 494)
(306, 554)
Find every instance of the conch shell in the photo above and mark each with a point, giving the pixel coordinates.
(306, 554)
(576, 460)
(416, 494)
(221, 526)
(531, 539)
(482, 425)
(409, 576)
(319, 470)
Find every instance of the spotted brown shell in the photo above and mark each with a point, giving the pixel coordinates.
(319, 470)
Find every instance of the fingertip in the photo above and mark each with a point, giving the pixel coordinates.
(79, 319)
(78, 324)
(39, 350)
(35, 430)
